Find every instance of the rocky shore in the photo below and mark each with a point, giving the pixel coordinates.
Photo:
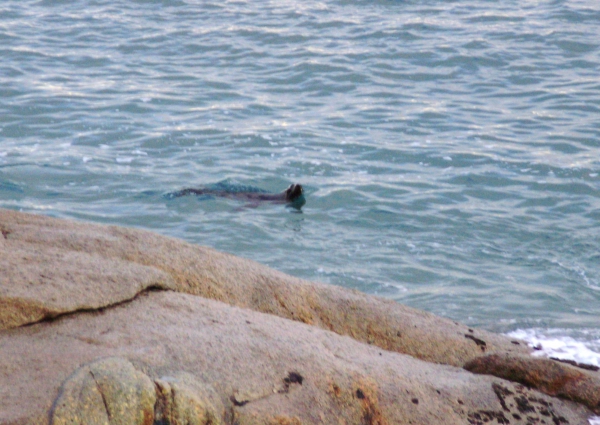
(108, 325)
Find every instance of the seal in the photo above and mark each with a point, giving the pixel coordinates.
(293, 195)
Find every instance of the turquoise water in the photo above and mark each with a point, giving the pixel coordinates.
(449, 149)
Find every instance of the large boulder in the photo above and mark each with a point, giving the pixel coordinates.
(172, 358)
(100, 324)
(99, 266)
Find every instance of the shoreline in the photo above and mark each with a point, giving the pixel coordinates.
(72, 278)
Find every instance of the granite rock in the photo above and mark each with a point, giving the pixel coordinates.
(101, 324)
(547, 375)
(124, 365)
(45, 256)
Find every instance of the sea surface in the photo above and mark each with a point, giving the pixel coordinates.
(449, 150)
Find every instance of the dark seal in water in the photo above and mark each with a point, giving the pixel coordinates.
(293, 195)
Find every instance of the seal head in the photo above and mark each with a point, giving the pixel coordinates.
(294, 195)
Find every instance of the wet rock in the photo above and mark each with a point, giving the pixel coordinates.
(546, 375)
(584, 366)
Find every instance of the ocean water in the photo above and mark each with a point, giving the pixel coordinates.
(449, 150)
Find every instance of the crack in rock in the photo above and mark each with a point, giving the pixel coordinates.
(102, 395)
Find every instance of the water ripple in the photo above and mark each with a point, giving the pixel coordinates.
(449, 149)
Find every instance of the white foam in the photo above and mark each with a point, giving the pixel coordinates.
(557, 343)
